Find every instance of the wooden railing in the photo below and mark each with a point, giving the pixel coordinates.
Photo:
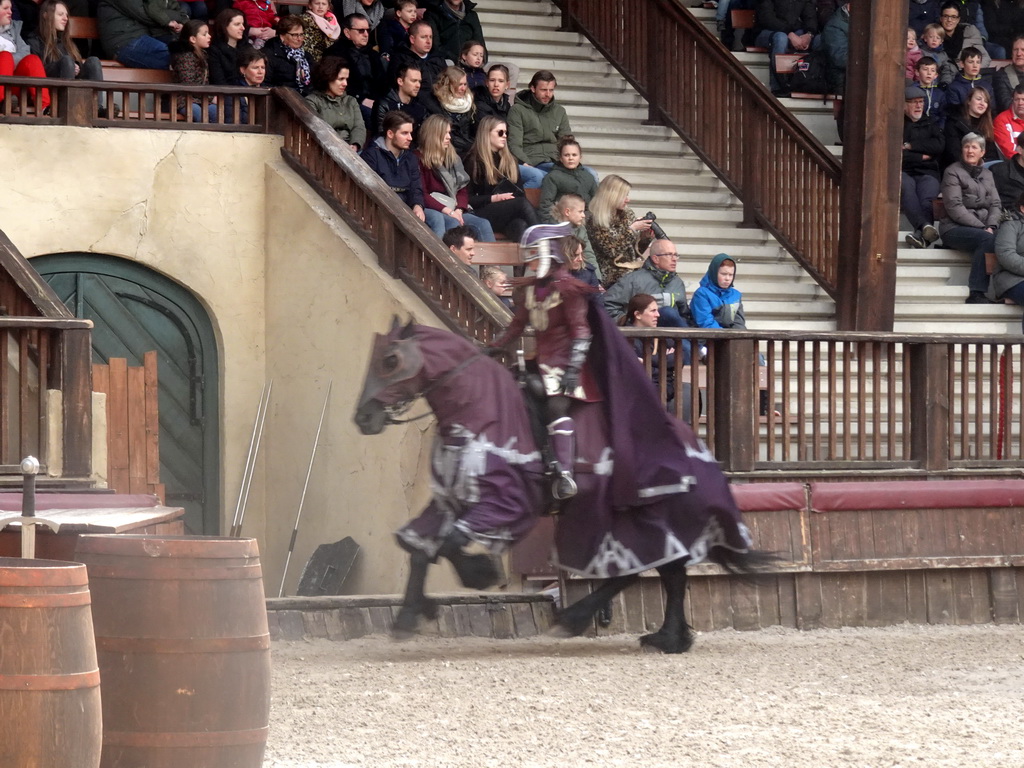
(849, 402)
(136, 105)
(39, 355)
(405, 247)
(787, 180)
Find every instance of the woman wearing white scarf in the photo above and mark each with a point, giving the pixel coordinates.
(322, 28)
(452, 99)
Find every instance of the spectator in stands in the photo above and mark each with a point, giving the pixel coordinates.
(1008, 279)
(975, 116)
(617, 235)
(15, 57)
(960, 35)
(913, 55)
(445, 181)
(451, 99)
(972, 212)
(642, 312)
(252, 71)
(261, 17)
(228, 42)
(658, 278)
(967, 78)
(287, 64)
(573, 209)
(395, 31)
(322, 29)
(367, 80)
(335, 107)
(136, 33)
(1005, 22)
(418, 49)
(491, 98)
(52, 43)
(1010, 76)
(567, 177)
(572, 248)
(496, 280)
(461, 242)
(402, 96)
(717, 303)
(389, 155)
(835, 41)
(454, 22)
(1009, 124)
(373, 10)
(785, 25)
(1009, 177)
(934, 97)
(535, 124)
(472, 58)
(496, 189)
(923, 13)
(922, 147)
(188, 62)
(932, 45)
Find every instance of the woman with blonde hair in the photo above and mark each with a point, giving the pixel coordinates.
(451, 99)
(445, 181)
(617, 236)
(495, 187)
(52, 43)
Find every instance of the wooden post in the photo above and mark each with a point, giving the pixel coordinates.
(78, 103)
(870, 190)
(929, 404)
(750, 169)
(76, 383)
(736, 442)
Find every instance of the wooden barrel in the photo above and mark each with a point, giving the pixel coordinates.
(184, 650)
(49, 681)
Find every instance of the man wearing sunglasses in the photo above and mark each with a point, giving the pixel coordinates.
(366, 78)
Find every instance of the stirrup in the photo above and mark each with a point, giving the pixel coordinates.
(563, 486)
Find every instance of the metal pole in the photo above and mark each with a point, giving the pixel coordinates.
(250, 460)
(29, 470)
(305, 485)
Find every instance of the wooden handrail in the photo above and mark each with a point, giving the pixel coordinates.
(405, 248)
(787, 180)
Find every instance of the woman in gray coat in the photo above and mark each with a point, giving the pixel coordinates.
(1008, 279)
(972, 212)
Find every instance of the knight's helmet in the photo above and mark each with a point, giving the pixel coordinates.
(539, 243)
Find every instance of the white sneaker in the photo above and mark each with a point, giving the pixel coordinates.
(930, 233)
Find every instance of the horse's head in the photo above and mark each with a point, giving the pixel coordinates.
(391, 379)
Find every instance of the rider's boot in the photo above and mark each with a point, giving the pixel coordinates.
(562, 437)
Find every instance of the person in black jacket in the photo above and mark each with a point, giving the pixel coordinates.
(418, 50)
(1009, 177)
(230, 38)
(492, 98)
(287, 64)
(455, 23)
(785, 25)
(1009, 77)
(922, 146)
(366, 79)
(403, 97)
(451, 99)
(495, 188)
(390, 156)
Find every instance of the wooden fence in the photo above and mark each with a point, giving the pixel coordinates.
(133, 424)
(787, 180)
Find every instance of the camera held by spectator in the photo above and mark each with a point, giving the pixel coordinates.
(659, 233)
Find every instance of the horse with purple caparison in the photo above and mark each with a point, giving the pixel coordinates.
(650, 494)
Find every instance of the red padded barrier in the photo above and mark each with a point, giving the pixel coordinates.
(11, 502)
(917, 494)
(766, 497)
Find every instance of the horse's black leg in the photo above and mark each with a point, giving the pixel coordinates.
(474, 571)
(575, 619)
(415, 603)
(674, 635)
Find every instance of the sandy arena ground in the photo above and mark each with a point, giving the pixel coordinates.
(905, 696)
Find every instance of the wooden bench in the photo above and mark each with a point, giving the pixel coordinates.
(744, 19)
(120, 74)
(504, 254)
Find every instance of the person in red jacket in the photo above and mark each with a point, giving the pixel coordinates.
(1010, 124)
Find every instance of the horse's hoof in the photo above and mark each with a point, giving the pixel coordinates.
(401, 635)
(559, 631)
(428, 609)
(404, 626)
(571, 625)
(477, 571)
(665, 643)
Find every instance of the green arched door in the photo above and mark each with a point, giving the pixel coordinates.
(135, 310)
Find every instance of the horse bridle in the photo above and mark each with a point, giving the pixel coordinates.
(402, 407)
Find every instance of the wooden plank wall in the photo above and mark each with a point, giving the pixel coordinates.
(852, 568)
(133, 424)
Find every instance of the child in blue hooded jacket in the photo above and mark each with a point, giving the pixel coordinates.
(717, 303)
